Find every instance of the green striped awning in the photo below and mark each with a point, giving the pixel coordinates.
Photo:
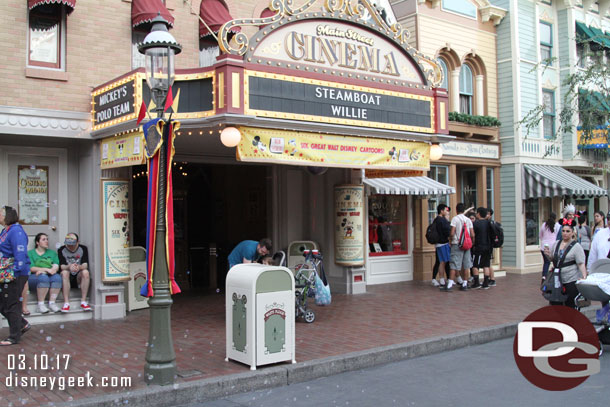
(547, 181)
(590, 33)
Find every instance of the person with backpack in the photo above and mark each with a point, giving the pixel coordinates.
(481, 249)
(497, 241)
(461, 236)
(440, 230)
(568, 256)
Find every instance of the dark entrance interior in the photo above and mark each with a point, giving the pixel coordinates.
(215, 207)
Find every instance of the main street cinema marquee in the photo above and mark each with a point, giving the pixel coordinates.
(331, 87)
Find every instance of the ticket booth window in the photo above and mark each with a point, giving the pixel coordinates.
(387, 225)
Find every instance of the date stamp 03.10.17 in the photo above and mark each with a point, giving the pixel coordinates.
(50, 372)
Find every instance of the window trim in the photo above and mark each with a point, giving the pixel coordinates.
(545, 44)
(472, 88)
(537, 234)
(488, 190)
(61, 43)
(404, 224)
(553, 115)
(439, 198)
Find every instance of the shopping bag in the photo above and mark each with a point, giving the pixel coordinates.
(323, 296)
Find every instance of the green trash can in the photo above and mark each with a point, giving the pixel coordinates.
(260, 314)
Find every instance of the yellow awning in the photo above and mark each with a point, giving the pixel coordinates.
(323, 150)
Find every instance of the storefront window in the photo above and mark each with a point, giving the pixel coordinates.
(490, 188)
(469, 188)
(532, 221)
(46, 36)
(438, 173)
(387, 225)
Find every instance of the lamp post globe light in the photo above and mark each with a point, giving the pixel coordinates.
(160, 47)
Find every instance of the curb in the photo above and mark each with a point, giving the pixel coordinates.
(206, 390)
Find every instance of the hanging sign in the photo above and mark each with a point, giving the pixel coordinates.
(323, 150)
(122, 151)
(33, 195)
(115, 230)
(349, 225)
(115, 103)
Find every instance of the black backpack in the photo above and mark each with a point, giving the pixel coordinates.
(496, 234)
(432, 234)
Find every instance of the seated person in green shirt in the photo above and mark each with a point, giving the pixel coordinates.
(44, 273)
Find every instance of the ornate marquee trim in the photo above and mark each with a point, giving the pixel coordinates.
(361, 12)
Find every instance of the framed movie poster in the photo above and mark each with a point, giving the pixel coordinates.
(33, 195)
(349, 225)
(115, 230)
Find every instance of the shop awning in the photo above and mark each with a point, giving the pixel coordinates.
(600, 37)
(70, 4)
(547, 181)
(589, 99)
(408, 186)
(589, 33)
(144, 11)
(215, 13)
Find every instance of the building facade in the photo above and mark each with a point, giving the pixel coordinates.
(471, 162)
(542, 169)
(67, 122)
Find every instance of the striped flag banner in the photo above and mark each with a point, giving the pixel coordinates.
(167, 129)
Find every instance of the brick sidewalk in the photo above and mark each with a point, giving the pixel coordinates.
(385, 315)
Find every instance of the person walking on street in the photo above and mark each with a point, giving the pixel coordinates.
(600, 246)
(547, 235)
(599, 222)
(249, 251)
(14, 262)
(492, 280)
(460, 259)
(584, 233)
(573, 264)
(443, 250)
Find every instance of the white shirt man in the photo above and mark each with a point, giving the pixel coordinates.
(600, 246)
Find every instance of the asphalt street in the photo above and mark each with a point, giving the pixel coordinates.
(484, 375)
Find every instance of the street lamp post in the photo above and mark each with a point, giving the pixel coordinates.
(160, 47)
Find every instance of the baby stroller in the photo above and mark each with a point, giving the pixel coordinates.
(590, 290)
(305, 284)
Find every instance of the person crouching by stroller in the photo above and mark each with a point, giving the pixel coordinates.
(15, 265)
(567, 255)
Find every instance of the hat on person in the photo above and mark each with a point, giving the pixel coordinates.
(70, 240)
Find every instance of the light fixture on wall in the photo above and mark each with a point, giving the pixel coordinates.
(230, 136)
(436, 152)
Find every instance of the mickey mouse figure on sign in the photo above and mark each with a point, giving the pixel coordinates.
(259, 144)
(348, 227)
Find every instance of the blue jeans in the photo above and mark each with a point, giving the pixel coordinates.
(546, 265)
(45, 281)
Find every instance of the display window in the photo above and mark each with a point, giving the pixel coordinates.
(387, 225)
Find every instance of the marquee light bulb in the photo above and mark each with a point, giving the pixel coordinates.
(230, 136)
(436, 152)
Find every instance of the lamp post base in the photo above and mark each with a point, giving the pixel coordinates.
(160, 373)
